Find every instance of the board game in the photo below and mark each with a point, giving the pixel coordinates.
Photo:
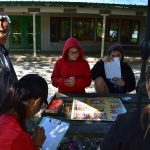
(100, 108)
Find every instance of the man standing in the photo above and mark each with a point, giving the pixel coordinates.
(7, 73)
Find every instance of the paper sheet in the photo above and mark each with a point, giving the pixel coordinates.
(112, 69)
(55, 131)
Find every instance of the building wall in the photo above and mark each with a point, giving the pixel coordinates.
(90, 46)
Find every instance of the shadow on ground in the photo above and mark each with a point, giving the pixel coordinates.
(43, 65)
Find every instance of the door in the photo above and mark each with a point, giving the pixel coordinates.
(130, 31)
(21, 37)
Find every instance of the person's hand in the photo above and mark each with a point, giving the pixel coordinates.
(70, 81)
(107, 59)
(118, 81)
(39, 136)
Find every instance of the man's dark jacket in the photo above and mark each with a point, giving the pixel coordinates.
(7, 72)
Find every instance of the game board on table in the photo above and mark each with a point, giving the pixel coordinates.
(100, 108)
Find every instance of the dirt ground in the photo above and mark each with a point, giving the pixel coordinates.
(43, 65)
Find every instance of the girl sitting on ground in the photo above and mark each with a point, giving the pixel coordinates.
(115, 85)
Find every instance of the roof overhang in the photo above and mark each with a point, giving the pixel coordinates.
(66, 3)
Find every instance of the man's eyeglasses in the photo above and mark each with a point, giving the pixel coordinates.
(5, 17)
(5, 32)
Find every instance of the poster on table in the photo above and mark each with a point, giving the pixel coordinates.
(101, 108)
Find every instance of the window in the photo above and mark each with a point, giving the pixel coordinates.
(30, 31)
(16, 32)
(111, 33)
(83, 28)
(130, 31)
(99, 29)
(59, 28)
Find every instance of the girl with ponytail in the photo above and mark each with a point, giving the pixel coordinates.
(23, 100)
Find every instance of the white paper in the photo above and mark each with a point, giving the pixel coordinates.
(112, 69)
(55, 131)
(49, 98)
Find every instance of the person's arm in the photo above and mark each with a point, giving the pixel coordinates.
(38, 136)
(4, 73)
(85, 80)
(98, 70)
(148, 87)
(129, 79)
(13, 79)
(56, 78)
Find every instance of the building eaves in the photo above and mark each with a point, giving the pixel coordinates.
(79, 3)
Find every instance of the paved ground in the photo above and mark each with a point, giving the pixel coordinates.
(43, 65)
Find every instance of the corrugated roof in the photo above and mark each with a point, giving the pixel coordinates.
(80, 3)
(120, 2)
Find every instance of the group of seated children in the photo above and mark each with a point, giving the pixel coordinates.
(71, 73)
